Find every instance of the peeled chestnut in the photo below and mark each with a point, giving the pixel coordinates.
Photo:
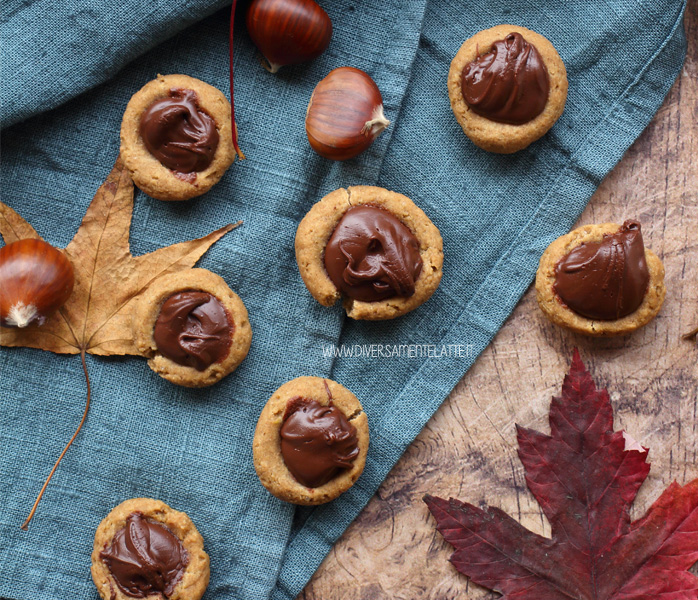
(345, 114)
(288, 31)
(36, 279)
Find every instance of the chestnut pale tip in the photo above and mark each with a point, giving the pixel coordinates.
(21, 315)
(268, 65)
(377, 123)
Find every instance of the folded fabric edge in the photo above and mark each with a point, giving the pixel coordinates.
(181, 23)
(613, 136)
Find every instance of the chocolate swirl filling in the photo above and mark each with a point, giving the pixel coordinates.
(508, 84)
(317, 442)
(145, 558)
(193, 329)
(372, 255)
(179, 134)
(605, 280)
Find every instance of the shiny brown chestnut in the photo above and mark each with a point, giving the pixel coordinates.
(36, 279)
(345, 114)
(288, 31)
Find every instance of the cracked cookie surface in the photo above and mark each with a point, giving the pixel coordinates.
(318, 225)
(268, 458)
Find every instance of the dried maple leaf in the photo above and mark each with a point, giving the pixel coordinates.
(585, 479)
(97, 317)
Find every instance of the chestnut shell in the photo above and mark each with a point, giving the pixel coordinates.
(36, 279)
(288, 31)
(345, 114)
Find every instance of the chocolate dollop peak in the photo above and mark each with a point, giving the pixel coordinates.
(371, 255)
(145, 558)
(605, 280)
(509, 84)
(317, 441)
(181, 135)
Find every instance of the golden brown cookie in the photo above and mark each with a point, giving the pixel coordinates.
(162, 542)
(503, 137)
(176, 138)
(600, 270)
(316, 428)
(192, 326)
(318, 226)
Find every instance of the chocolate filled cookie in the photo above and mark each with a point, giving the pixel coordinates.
(311, 441)
(600, 280)
(145, 549)
(507, 86)
(176, 137)
(371, 247)
(192, 326)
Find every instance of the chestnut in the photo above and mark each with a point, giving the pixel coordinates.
(36, 279)
(345, 114)
(288, 31)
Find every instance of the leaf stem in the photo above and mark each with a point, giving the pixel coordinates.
(692, 335)
(233, 125)
(55, 466)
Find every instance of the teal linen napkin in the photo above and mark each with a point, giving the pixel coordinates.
(72, 66)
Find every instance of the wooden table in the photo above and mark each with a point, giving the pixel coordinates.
(468, 448)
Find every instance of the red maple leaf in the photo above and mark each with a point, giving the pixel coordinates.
(585, 481)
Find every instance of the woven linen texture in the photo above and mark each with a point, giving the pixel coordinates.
(68, 70)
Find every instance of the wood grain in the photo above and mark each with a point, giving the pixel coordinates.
(468, 449)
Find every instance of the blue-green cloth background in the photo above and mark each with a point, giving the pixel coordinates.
(68, 70)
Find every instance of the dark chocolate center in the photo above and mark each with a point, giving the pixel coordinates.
(317, 441)
(193, 329)
(372, 255)
(179, 134)
(145, 558)
(508, 84)
(605, 280)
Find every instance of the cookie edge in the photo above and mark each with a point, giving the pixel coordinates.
(266, 446)
(190, 587)
(147, 172)
(147, 309)
(509, 138)
(563, 316)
